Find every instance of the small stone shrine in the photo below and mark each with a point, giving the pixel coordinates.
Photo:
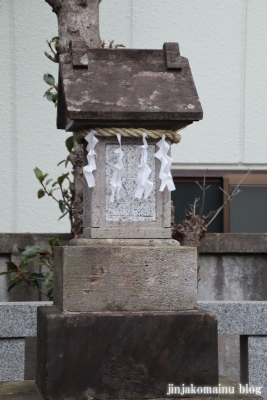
(125, 325)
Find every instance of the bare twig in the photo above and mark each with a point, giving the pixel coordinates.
(49, 193)
(203, 188)
(229, 198)
(50, 46)
(54, 59)
(195, 205)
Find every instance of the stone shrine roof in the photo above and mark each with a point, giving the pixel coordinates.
(151, 89)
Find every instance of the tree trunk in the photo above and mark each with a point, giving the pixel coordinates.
(77, 18)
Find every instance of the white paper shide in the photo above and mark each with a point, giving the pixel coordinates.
(88, 169)
(166, 162)
(115, 182)
(144, 186)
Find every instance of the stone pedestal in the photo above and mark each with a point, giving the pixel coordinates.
(129, 275)
(125, 323)
(126, 355)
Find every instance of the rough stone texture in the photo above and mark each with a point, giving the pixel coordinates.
(129, 278)
(12, 353)
(124, 242)
(257, 362)
(233, 267)
(124, 355)
(28, 391)
(128, 208)
(234, 243)
(120, 233)
(233, 277)
(227, 341)
(229, 356)
(239, 318)
(118, 224)
(137, 89)
(19, 319)
(30, 357)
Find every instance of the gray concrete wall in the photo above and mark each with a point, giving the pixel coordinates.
(233, 267)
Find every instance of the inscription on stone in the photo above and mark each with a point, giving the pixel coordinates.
(128, 208)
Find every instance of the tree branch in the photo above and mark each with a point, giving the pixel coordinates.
(203, 188)
(229, 198)
(54, 59)
(194, 206)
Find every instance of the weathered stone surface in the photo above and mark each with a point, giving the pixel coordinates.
(123, 242)
(120, 233)
(12, 353)
(124, 355)
(239, 318)
(234, 243)
(128, 217)
(128, 87)
(28, 391)
(19, 319)
(257, 362)
(129, 278)
(233, 277)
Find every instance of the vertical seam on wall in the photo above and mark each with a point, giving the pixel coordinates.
(243, 83)
(11, 17)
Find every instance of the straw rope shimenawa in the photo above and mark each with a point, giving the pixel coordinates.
(130, 132)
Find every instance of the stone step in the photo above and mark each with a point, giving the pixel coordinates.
(27, 390)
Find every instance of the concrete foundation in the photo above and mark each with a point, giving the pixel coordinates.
(124, 355)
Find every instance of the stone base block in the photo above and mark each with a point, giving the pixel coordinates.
(124, 355)
(112, 277)
(118, 233)
(12, 354)
(257, 362)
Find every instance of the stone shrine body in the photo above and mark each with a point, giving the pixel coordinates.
(126, 324)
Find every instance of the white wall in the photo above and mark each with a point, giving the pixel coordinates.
(225, 41)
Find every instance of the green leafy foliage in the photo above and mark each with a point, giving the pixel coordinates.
(13, 283)
(11, 267)
(38, 174)
(62, 206)
(32, 274)
(49, 79)
(64, 185)
(51, 93)
(70, 143)
(55, 40)
(40, 193)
